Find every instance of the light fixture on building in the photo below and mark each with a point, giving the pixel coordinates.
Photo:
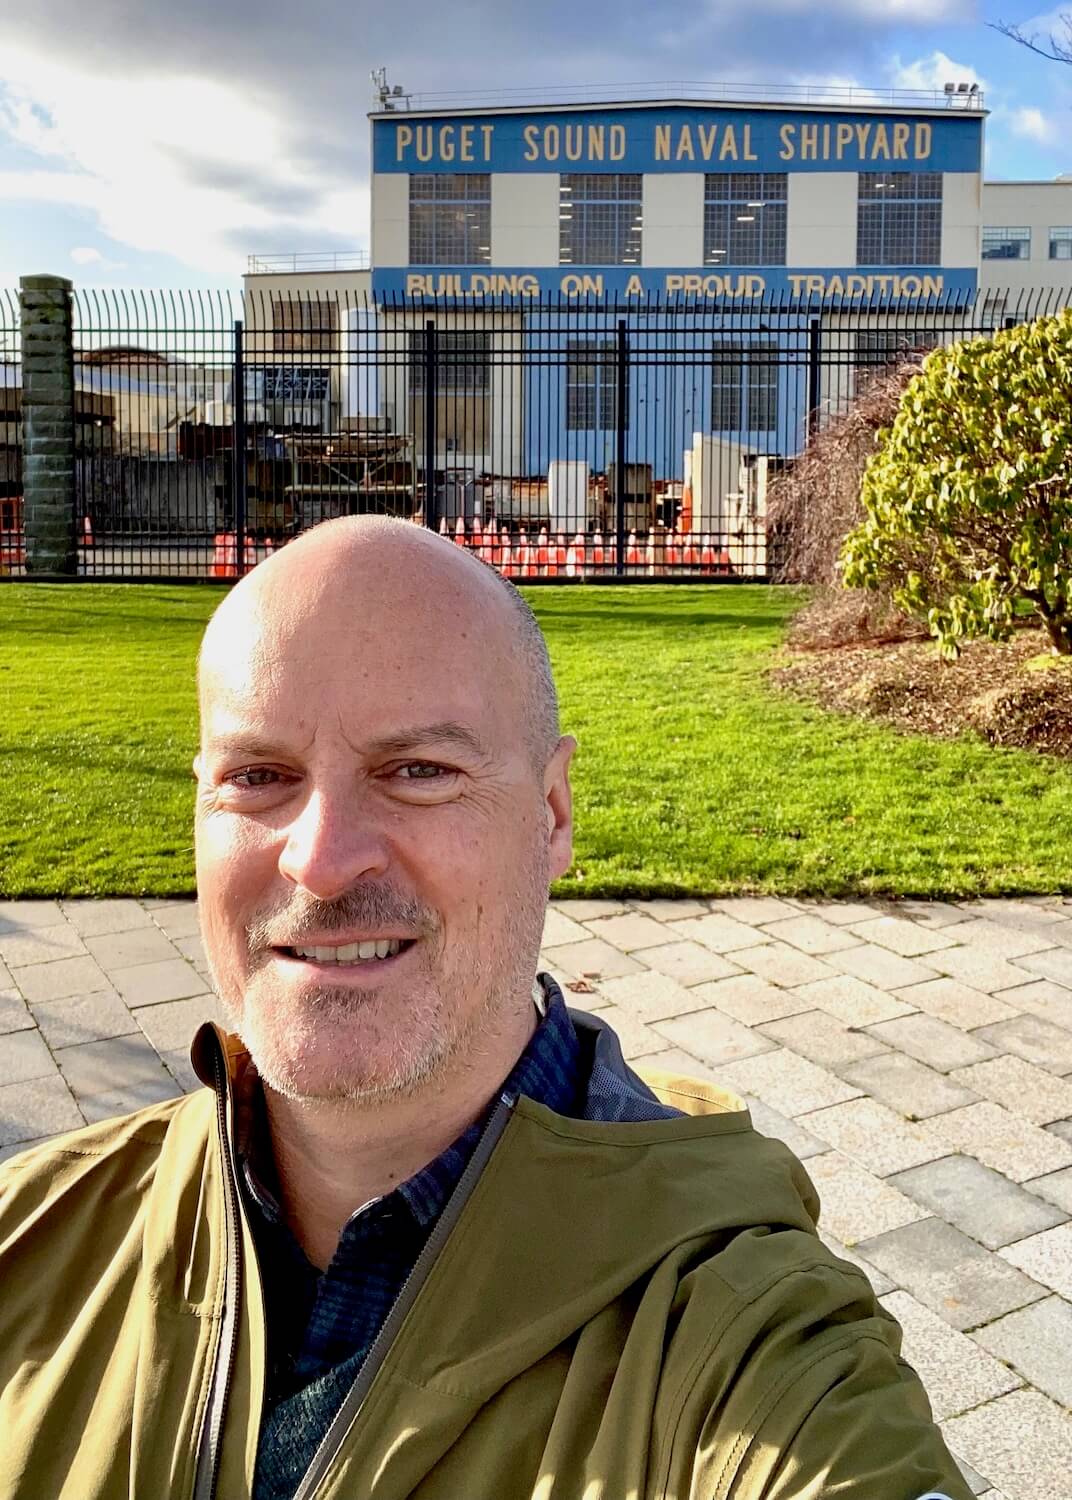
(950, 88)
(746, 218)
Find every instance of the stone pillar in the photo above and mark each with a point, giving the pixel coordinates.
(48, 426)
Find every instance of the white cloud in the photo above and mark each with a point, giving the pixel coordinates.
(1032, 124)
(183, 165)
(932, 72)
(85, 255)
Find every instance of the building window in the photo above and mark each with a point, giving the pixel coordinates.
(899, 219)
(592, 385)
(463, 361)
(599, 219)
(1061, 244)
(877, 348)
(304, 325)
(450, 219)
(1001, 243)
(744, 387)
(744, 218)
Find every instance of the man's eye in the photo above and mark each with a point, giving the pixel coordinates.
(422, 770)
(254, 777)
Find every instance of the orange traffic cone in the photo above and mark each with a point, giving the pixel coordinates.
(87, 531)
(690, 552)
(224, 555)
(575, 557)
(598, 551)
(632, 551)
(506, 556)
(707, 557)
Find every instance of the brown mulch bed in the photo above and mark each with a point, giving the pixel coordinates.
(1015, 694)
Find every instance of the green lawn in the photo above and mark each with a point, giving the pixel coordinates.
(692, 776)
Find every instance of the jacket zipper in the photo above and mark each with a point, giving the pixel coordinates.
(350, 1409)
(208, 1448)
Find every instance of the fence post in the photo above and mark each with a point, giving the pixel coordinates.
(431, 352)
(814, 374)
(621, 422)
(238, 452)
(48, 425)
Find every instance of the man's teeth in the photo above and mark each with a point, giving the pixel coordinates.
(353, 952)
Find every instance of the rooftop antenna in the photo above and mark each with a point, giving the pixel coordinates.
(387, 97)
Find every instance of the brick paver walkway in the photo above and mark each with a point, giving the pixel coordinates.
(917, 1056)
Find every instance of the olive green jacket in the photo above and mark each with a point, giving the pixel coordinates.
(605, 1311)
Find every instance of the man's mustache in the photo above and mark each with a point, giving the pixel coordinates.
(369, 906)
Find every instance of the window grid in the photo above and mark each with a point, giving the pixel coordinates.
(877, 347)
(450, 219)
(1006, 243)
(463, 361)
(745, 218)
(592, 385)
(304, 325)
(899, 219)
(600, 219)
(744, 387)
(1061, 244)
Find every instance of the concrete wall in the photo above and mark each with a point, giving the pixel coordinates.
(821, 219)
(1038, 206)
(524, 219)
(673, 209)
(390, 219)
(961, 211)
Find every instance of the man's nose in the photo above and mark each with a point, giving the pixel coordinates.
(333, 843)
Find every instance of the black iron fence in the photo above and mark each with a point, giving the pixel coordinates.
(579, 440)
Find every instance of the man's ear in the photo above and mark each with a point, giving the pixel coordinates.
(559, 801)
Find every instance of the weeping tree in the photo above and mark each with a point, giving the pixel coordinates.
(968, 499)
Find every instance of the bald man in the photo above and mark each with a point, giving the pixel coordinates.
(423, 1232)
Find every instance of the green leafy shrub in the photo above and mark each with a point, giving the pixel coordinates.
(968, 499)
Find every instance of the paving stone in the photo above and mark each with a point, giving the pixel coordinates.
(998, 939)
(125, 1101)
(193, 949)
(62, 979)
(811, 934)
(39, 945)
(37, 1108)
(852, 1001)
(1035, 1341)
(1055, 1187)
(956, 1003)
(787, 1082)
(91, 918)
(14, 1016)
(931, 913)
(1004, 1141)
(772, 1122)
(976, 1483)
(24, 1055)
(720, 933)
(749, 999)
(1055, 964)
(651, 996)
(1050, 1002)
(955, 1372)
(689, 963)
(875, 1136)
(910, 1087)
(172, 979)
(1035, 1040)
(1025, 1090)
(630, 931)
(840, 913)
(84, 1018)
(908, 939)
(1047, 1257)
(180, 920)
(636, 1038)
(880, 967)
(6, 981)
(949, 1273)
(880, 1282)
(856, 1203)
(1022, 916)
(1061, 1128)
(181, 1069)
(778, 963)
(122, 950)
(1022, 1442)
(16, 916)
(822, 1038)
(977, 1200)
(753, 911)
(670, 910)
(584, 911)
(713, 1038)
(1060, 933)
(7, 1152)
(120, 1066)
(981, 970)
(675, 1060)
(593, 958)
(933, 1042)
(559, 929)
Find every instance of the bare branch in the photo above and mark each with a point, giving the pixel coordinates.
(1053, 48)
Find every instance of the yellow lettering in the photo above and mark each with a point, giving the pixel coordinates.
(487, 131)
(570, 286)
(574, 141)
(415, 286)
(749, 154)
(662, 143)
(855, 286)
(693, 284)
(596, 134)
(835, 287)
(531, 137)
(933, 286)
(923, 141)
(674, 283)
(755, 286)
(796, 284)
(446, 143)
(862, 133)
(466, 143)
(617, 142)
(528, 286)
(684, 144)
(901, 133)
(809, 142)
(712, 286)
(815, 285)
(425, 142)
(592, 286)
(911, 286)
(842, 139)
(479, 284)
(729, 144)
(826, 143)
(786, 134)
(403, 138)
(634, 287)
(551, 143)
(881, 144)
(707, 134)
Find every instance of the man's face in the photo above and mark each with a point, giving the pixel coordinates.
(363, 781)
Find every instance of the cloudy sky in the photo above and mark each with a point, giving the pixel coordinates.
(144, 144)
